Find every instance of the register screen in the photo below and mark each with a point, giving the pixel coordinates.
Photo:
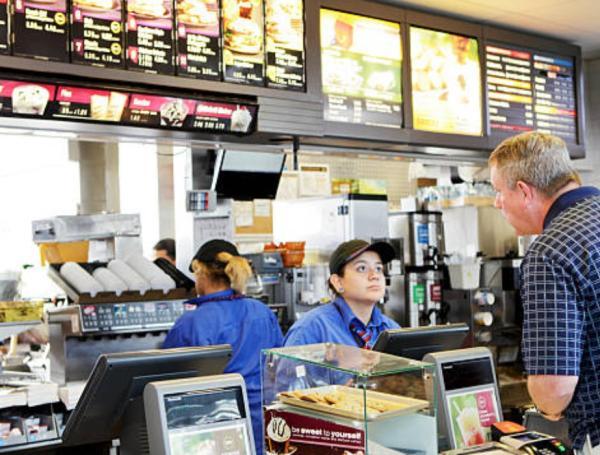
(209, 422)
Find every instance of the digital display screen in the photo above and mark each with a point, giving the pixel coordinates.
(208, 422)
(529, 91)
(467, 373)
(527, 437)
(361, 61)
(446, 83)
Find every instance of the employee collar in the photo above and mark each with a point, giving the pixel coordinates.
(227, 294)
(348, 315)
(568, 199)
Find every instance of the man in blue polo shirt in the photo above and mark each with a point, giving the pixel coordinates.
(539, 192)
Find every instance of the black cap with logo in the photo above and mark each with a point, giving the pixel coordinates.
(208, 252)
(351, 249)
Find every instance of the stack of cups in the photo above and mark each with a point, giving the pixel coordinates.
(151, 273)
(129, 276)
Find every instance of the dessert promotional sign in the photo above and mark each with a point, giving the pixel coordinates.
(41, 29)
(198, 35)
(472, 415)
(243, 38)
(234, 118)
(97, 32)
(284, 24)
(89, 104)
(361, 63)
(153, 110)
(446, 83)
(4, 48)
(150, 43)
(25, 98)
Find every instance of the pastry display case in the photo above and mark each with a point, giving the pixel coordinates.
(336, 399)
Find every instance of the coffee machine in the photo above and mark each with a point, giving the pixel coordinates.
(419, 296)
(493, 311)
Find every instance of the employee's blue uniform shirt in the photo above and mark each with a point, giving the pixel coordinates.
(332, 322)
(561, 301)
(246, 324)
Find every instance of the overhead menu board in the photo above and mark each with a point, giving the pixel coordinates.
(62, 102)
(446, 83)
(361, 60)
(284, 25)
(243, 36)
(528, 91)
(554, 92)
(509, 89)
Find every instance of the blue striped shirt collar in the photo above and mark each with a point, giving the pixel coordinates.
(568, 199)
(348, 315)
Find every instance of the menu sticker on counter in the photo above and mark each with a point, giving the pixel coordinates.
(150, 43)
(97, 32)
(446, 83)
(509, 89)
(243, 50)
(198, 34)
(89, 104)
(554, 94)
(40, 29)
(361, 61)
(472, 415)
(284, 21)
(25, 98)
(159, 110)
(227, 118)
(4, 14)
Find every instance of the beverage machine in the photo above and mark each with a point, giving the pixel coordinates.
(416, 296)
(98, 321)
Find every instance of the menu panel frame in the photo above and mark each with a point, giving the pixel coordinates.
(541, 45)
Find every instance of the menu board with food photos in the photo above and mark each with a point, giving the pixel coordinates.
(40, 29)
(4, 48)
(67, 102)
(554, 93)
(150, 43)
(509, 89)
(198, 34)
(243, 50)
(25, 98)
(97, 32)
(154, 110)
(225, 117)
(89, 104)
(529, 91)
(284, 25)
(446, 83)
(361, 61)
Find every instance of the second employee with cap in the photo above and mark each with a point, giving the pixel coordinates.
(358, 283)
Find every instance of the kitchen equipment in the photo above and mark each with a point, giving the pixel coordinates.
(333, 220)
(426, 238)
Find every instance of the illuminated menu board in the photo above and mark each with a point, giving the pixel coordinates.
(446, 82)
(509, 89)
(62, 102)
(528, 91)
(554, 93)
(361, 60)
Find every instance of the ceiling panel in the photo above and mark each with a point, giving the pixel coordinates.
(575, 21)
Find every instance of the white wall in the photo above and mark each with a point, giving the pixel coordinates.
(592, 117)
(37, 180)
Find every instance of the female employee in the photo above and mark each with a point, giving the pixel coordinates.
(225, 315)
(358, 282)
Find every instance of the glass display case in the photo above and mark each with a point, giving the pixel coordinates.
(336, 399)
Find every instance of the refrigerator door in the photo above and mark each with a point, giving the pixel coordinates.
(318, 221)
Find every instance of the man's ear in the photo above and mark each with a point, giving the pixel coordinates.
(527, 191)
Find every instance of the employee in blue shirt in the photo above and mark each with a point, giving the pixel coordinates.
(358, 282)
(225, 315)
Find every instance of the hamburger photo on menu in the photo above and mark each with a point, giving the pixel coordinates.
(242, 31)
